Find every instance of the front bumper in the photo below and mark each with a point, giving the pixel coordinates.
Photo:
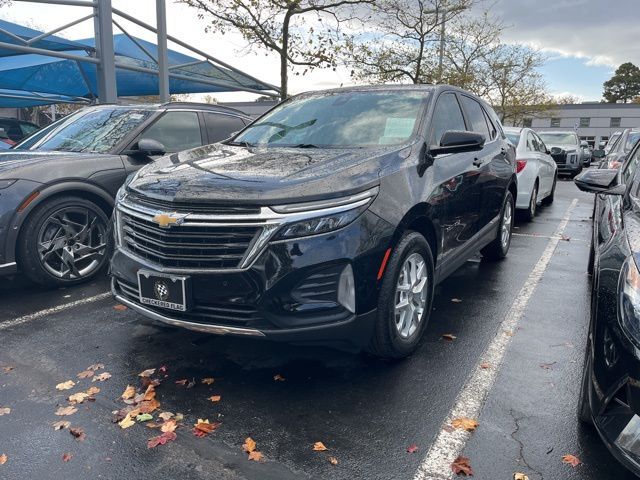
(288, 293)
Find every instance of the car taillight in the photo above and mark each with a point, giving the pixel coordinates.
(520, 164)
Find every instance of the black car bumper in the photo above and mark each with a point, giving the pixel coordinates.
(289, 293)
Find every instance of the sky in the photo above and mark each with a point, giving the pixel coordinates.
(583, 40)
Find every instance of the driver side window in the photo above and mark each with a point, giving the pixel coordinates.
(446, 116)
(176, 131)
(630, 167)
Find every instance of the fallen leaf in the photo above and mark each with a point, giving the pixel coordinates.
(61, 424)
(150, 393)
(146, 381)
(66, 457)
(169, 426)
(126, 422)
(165, 416)
(119, 307)
(95, 367)
(3, 459)
(461, 466)
(456, 300)
(319, 447)
(412, 448)
(102, 377)
(69, 384)
(333, 460)
(548, 366)
(161, 439)
(144, 417)
(449, 336)
(77, 433)
(448, 428)
(8, 369)
(485, 365)
(85, 374)
(128, 393)
(93, 390)
(78, 397)
(179, 417)
(565, 238)
(249, 445)
(468, 424)
(278, 378)
(62, 411)
(571, 460)
(204, 427)
(149, 406)
(182, 382)
(163, 369)
(192, 383)
(5, 411)
(208, 380)
(520, 476)
(214, 398)
(256, 456)
(147, 373)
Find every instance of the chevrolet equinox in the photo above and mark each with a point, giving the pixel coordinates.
(328, 220)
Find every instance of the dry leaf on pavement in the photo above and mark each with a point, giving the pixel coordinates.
(214, 398)
(461, 466)
(412, 448)
(95, 367)
(165, 416)
(77, 433)
(3, 459)
(126, 422)
(571, 460)
(128, 393)
(144, 417)
(5, 411)
(203, 427)
(147, 373)
(69, 384)
(208, 380)
(102, 377)
(520, 476)
(119, 307)
(319, 447)
(449, 336)
(278, 378)
(333, 460)
(469, 424)
(92, 391)
(169, 426)
(161, 439)
(249, 445)
(66, 457)
(61, 424)
(78, 397)
(256, 456)
(85, 374)
(485, 365)
(62, 411)
(456, 300)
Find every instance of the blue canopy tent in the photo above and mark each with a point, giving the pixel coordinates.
(19, 35)
(75, 78)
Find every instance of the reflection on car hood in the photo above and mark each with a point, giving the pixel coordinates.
(225, 174)
(34, 164)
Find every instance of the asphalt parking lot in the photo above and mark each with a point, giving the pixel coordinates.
(367, 412)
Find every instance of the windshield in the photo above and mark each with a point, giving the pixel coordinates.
(341, 119)
(513, 138)
(558, 138)
(631, 141)
(91, 130)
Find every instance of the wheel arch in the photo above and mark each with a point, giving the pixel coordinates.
(418, 219)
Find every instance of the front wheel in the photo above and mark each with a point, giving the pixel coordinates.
(499, 247)
(406, 295)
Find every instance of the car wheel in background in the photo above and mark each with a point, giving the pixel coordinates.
(548, 200)
(406, 295)
(499, 247)
(530, 212)
(64, 241)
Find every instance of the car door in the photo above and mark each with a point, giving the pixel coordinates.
(456, 177)
(220, 125)
(547, 165)
(489, 162)
(176, 130)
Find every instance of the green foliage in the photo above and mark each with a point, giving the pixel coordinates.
(624, 86)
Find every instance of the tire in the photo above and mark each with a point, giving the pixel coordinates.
(529, 214)
(592, 258)
(548, 200)
(77, 254)
(387, 340)
(584, 408)
(498, 248)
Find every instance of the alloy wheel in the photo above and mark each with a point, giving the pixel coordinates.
(533, 204)
(507, 219)
(72, 242)
(411, 295)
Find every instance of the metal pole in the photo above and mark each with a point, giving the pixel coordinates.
(107, 89)
(441, 54)
(163, 63)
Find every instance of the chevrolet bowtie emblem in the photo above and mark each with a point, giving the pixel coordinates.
(166, 220)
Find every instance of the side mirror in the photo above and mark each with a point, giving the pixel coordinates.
(455, 141)
(150, 147)
(598, 153)
(548, 152)
(600, 181)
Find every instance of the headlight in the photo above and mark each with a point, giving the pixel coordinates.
(629, 299)
(6, 183)
(314, 218)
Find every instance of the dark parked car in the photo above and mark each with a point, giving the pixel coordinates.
(566, 151)
(328, 220)
(17, 130)
(619, 150)
(610, 393)
(57, 187)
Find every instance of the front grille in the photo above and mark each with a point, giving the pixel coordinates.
(186, 246)
(209, 208)
(559, 158)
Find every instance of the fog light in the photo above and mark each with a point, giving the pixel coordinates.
(347, 289)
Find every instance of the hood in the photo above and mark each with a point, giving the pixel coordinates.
(17, 162)
(221, 173)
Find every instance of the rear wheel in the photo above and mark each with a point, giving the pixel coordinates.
(584, 408)
(406, 295)
(548, 200)
(64, 241)
(530, 212)
(499, 247)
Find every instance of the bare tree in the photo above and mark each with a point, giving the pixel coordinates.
(303, 33)
(401, 42)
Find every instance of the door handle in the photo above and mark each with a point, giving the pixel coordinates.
(477, 162)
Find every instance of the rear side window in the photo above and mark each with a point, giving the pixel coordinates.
(28, 129)
(493, 132)
(221, 126)
(542, 148)
(176, 131)
(631, 167)
(476, 117)
(12, 129)
(446, 116)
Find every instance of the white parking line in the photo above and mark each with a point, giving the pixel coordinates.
(448, 445)
(49, 311)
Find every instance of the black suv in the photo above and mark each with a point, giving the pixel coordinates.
(328, 220)
(57, 187)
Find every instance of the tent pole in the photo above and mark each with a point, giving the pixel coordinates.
(163, 63)
(107, 91)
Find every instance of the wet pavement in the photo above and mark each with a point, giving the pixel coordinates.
(366, 411)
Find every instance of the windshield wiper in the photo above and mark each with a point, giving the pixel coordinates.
(305, 145)
(240, 144)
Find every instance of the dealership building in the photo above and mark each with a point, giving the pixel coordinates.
(594, 122)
